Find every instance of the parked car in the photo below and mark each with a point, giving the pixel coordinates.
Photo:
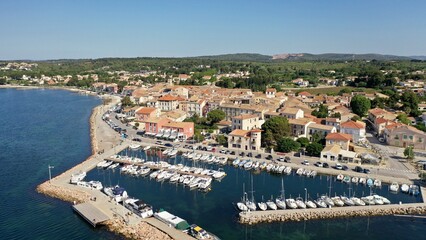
(338, 166)
(345, 168)
(269, 157)
(249, 154)
(222, 151)
(280, 159)
(258, 156)
(287, 159)
(209, 148)
(137, 140)
(141, 133)
(319, 164)
(159, 142)
(232, 153)
(168, 145)
(358, 169)
(305, 162)
(325, 165)
(242, 154)
(367, 171)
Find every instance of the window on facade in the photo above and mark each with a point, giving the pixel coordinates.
(396, 137)
(411, 137)
(420, 139)
(405, 136)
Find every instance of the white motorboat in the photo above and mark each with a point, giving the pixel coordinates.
(369, 200)
(154, 174)
(280, 202)
(147, 148)
(405, 188)
(320, 203)
(328, 201)
(271, 205)
(300, 171)
(362, 181)
(117, 193)
(165, 152)
(347, 201)
(378, 200)
(340, 177)
(175, 177)
(138, 207)
(394, 187)
(281, 169)
(251, 205)
(134, 146)
(242, 207)
(377, 183)
(95, 185)
(357, 201)
(269, 167)
(248, 165)
(219, 175)
(306, 172)
(172, 153)
(256, 165)
(287, 170)
(291, 203)
(101, 164)
(262, 206)
(300, 203)
(310, 204)
(355, 180)
(236, 162)
(337, 201)
(313, 174)
(144, 171)
(77, 177)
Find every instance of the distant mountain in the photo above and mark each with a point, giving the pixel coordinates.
(423, 58)
(249, 57)
(336, 57)
(255, 57)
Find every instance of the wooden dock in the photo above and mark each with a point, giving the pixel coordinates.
(90, 213)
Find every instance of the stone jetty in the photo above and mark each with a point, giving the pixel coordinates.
(327, 213)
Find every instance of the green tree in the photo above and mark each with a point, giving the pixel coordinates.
(360, 105)
(322, 111)
(198, 136)
(403, 118)
(409, 153)
(278, 127)
(215, 116)
(3, 81)
(410, 102)
(303, 141)
(314, 149)
(268, 140)
(318, 138)
(126, 101)
(287, 145)
(222, 140)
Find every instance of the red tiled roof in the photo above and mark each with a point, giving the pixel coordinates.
(146, 110)
(352, 124)
(338, 136)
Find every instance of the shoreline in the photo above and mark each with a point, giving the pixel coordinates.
(74, 195)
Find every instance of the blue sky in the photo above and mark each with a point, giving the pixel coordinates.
(52, 29)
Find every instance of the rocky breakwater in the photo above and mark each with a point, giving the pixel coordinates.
(345, 212)
(142, 230)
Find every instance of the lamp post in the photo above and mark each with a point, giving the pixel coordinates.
(306, 195)
(50, 174)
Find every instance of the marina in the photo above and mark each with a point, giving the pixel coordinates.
(193, 205)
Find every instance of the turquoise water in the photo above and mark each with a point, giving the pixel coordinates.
(41, 127)
(215, 212)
